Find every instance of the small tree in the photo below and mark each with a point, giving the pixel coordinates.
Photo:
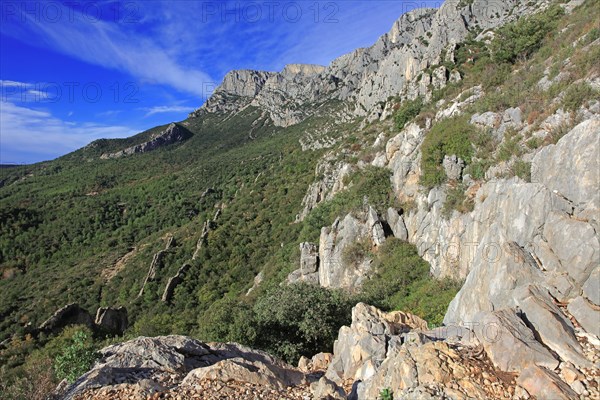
(76, 358)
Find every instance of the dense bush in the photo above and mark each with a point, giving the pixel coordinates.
(76, 358)
(228, 320)
(408, 110)
(451, 136)
(300, 319)
(577, 95)
(519, 40)
(402, 282)
(456, 199)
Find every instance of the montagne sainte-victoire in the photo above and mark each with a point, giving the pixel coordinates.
(420, 219)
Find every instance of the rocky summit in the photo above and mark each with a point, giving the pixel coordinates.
(417, 220)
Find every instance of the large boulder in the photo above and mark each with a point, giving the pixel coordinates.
(545, 384)
(361, 348)
(509, 343)
(555, 330)
(71, 314)
(183, 364)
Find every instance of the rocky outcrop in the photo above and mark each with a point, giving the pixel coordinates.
(396, 65)
(534, 232)
(176, 279)
(361, 348)
(309, 265)
(173, 134)
(71, 314)
(108, 320)
(343, 259)
(331, 176)
(112, 320)
(502, 358)
(156, 264)
(179, 365)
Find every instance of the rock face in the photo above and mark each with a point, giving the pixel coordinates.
(532, 227)
(342, 260)
(173, 134)
(182, 364)
(332, 175)
(108, 320)
(510, 344)
(361, 348)
(394, 66)
(396, 351)
(71, 314)
(112, 320)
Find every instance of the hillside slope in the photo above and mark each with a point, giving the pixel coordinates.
(461, 151)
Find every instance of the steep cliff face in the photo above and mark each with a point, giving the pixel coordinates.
(394, 66)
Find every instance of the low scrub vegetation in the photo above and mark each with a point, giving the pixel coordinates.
(451, 136)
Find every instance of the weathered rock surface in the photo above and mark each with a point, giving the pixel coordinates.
(112, 320)
(367, 77)
(177, 363)
(108, 320)
(361, 348)
(71, 314)
(173, 134)
(545, 384)
(332, 174)
(333, 266)
(510, 344)
(586, 314)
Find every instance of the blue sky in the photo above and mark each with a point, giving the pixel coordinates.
(75, 71)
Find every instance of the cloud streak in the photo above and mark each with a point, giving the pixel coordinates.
(42, 135)
(111, 45)
(167, 110)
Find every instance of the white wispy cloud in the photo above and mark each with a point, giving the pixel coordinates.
(41, 134)
(167, 109)
(22, 91)
(110, 45)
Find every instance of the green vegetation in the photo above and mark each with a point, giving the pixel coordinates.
(371, 183)
(519, 40)
(408, 110)
(402, 282)
(76, 358)
(577, 95)
(67, 223)
(451, 136)
(456, 200)
(300, 320)
(386, 394)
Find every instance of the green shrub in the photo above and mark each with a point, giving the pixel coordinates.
(522, 169)
(228, 320)
(408, 110)
(396, 267)
(447, 137)
(509, 148)
(401, 281)
(386, 394)
(300, 320)
(533, 143)
(577, 95)
(76, 358)
(519, 40)
(356, 252)
(429, 299)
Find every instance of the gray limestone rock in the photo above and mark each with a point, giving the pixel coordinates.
(587, 316)
(509, 343)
